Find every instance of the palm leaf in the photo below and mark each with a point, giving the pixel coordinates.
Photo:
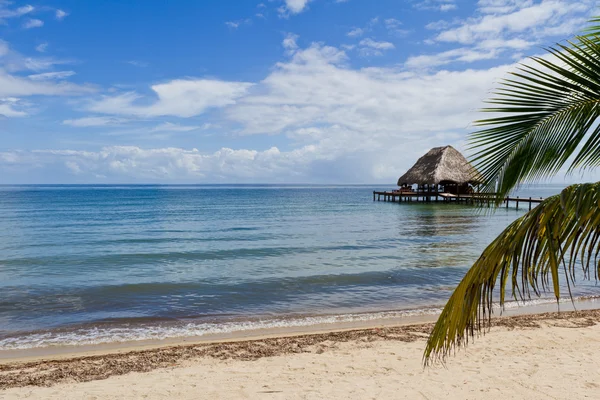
(553, 239)
(549, 112)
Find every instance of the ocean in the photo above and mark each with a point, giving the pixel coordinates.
(100, 264)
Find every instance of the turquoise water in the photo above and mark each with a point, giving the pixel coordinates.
(86, 264)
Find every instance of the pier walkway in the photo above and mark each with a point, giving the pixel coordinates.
(423, 196)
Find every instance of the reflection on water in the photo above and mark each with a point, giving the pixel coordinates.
(444, 233)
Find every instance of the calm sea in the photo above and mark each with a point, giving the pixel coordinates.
(92, 264)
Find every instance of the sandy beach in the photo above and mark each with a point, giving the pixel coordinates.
(552, 355)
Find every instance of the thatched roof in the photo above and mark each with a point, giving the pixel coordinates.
(441, 165)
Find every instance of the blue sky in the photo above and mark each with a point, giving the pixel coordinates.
(278, 91)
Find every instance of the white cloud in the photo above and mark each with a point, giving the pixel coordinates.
(181, 98)
(502, 6)
(356, 32)
(291, 7)
(4, 49)
(170, 164)
(392, 23)
(37, 64)
(438, 25)
(289, 43)
(236, 24)
(95, 121)
(564, 28)
(60, 14)
(370, 47)
(435, 5)
(393, 26)
(296, 6)
(543, 14)
(11, 85)
(515, 44)
(485, 50)
(42, 47)
(345, 125)
(15, 88)
(356, 109)
(502, 25)
(447, 7)
(13, 61)
(13, 13)
(33, 23)
(46, 76)
(464, 55)
(7, 108)
(377, 45)
(171, 127)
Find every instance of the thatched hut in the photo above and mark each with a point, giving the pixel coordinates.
(442, 166)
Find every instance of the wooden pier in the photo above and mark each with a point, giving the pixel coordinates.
(431, 196)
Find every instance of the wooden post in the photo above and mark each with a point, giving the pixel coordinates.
(517, 202)
(378, 196)
(530, 204)
(373, 195)
(506, 201)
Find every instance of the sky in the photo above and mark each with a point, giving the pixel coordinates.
(278, 91)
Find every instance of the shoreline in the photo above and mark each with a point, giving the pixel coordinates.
(367, 320)
(104, 363)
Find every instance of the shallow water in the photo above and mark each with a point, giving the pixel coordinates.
(80, 264)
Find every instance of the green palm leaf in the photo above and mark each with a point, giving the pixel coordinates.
(530, 255)
(548, 119)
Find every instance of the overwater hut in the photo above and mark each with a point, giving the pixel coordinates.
(442, 169)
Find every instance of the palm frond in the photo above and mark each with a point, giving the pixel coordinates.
(548, 115)
(529, 256)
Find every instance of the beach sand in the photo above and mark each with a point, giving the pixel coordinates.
(523, 357)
